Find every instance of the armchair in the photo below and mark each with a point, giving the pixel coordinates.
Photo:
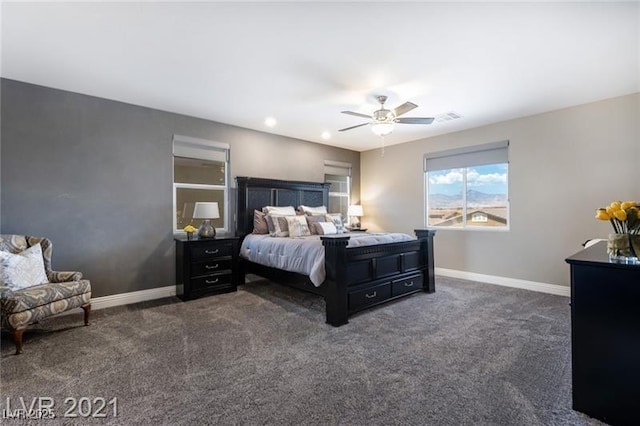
(63, 291)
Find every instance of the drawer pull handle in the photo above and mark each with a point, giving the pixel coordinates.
(212, 251)
(408, 284)
(212, 267)
(371, 296)
(212, 282)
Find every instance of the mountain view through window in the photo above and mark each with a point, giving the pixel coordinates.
(469, 197)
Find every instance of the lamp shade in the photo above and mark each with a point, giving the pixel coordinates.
(355, 211)
(206, 211)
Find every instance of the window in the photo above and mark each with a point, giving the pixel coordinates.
(468, 187)
(338, 174)
(200, 173)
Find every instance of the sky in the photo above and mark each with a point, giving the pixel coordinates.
(490, 179)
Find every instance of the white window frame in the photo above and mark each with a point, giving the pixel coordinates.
(339, 168)
(466, 158)
(201, 149)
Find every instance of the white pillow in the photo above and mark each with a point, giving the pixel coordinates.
(336, 219)
(313, 211)
(326, 228)
(24, 269)
(298, 226)
(282, 211)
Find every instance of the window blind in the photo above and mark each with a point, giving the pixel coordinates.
(477, 155)
(185, 146)
(337, 168)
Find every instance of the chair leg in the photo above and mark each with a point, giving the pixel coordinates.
(87, 312)
(16, 336)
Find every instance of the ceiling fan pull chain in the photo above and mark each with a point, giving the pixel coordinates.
(382, 152)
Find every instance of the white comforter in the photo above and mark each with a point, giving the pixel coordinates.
(304, 255)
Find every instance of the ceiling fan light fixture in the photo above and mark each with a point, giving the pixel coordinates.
(383, 128)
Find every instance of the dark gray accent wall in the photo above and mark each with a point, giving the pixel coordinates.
(95, 176)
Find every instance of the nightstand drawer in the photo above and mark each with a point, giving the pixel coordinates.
(363, 298)
(212, 266)
(211, 249)
(406, 285)
(211, 281)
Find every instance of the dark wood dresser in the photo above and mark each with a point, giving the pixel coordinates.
(206, 266)
(605, 336)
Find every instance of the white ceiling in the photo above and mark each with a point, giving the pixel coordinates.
(304, 62)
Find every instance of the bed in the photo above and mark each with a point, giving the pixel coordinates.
(356, 277)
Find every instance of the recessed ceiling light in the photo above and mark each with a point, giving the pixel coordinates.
(326, 135)
(270, 122)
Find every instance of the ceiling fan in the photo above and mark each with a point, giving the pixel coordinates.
(383, 121)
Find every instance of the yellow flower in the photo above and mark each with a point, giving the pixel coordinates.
(615, 206)
(627, 204)
(602, 214)
(609, 211)
(190, 228)
(621, 215)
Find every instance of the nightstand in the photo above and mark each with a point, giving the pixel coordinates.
(206, 266)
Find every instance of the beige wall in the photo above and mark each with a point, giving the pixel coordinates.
(563, 165)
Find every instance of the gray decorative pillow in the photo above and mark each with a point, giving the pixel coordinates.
(336, 219)
(260, 223)
(298, 226)
(24, 269)
(313, 220)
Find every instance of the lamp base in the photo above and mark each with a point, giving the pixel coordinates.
(206, 230)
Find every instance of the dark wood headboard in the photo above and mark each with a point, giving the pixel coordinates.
(255, 193)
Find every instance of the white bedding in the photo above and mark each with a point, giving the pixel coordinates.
(305, 255)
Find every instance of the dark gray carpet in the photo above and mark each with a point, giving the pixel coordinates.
(469, 354)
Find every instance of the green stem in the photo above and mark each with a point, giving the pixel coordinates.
(615, 226)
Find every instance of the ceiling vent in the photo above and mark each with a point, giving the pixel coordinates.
(447, 116)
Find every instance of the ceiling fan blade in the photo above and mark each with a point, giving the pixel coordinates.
(357, 114)
(353, 127)
(404, 108)
(415, 120)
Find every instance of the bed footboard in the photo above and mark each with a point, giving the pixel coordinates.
(360, 277)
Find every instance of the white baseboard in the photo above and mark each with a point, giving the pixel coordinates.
(169, 291)
(559, 290)
(132, 297)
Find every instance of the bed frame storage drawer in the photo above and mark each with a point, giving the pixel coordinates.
(406, 285)
(360, 299)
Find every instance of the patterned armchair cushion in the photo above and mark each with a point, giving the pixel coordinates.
(41, 295)
(30, 316)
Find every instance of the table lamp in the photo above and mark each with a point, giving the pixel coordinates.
(355, 211)
(206, 212)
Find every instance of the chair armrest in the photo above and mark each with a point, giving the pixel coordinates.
(6, 301)
(5, 292)
(64, 276)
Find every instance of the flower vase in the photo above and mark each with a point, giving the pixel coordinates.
(623, 247)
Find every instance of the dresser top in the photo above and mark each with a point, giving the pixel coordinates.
(597, 255)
